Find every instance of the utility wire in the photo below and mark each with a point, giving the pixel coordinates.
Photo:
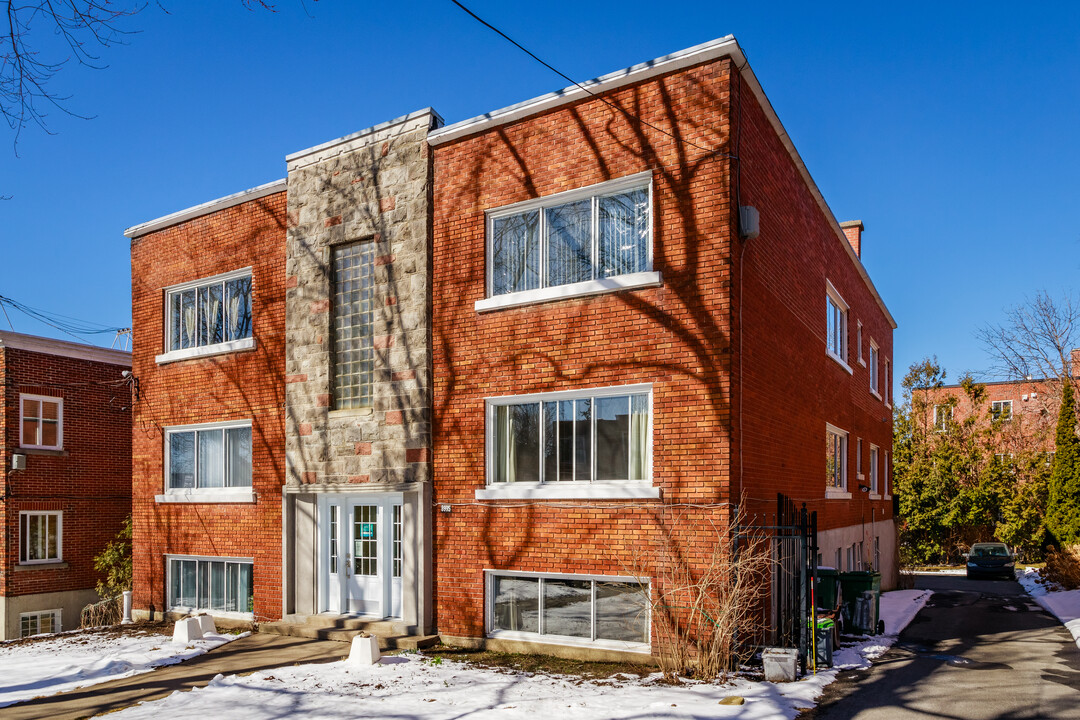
(64, 323)
(570, 80)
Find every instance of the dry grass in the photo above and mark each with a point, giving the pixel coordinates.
(545, 664)
(1063, 567)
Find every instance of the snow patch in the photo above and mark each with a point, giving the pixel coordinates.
(1062, 604)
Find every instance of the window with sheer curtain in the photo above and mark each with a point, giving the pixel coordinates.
(210, 312)
(571, 437)
(209, 457)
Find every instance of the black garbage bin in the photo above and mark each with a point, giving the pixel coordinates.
(823, 638)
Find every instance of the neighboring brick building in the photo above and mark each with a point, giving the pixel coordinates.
(208, 448)
(65, 475)
(614, 364)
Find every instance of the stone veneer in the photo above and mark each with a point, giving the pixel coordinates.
(372, 185)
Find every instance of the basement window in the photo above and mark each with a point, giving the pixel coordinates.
(596, 611)
(216, 584)
(41, 622)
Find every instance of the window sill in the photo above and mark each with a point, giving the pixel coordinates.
(52, 565)
(875, 496)
(53, 452)
(208, 351)
(875, 393)
(352, 412)
(630, 281)
(224, 614)
(836, 494)
(570, 491)
(206, 496)
(840, 362)
(569, 641)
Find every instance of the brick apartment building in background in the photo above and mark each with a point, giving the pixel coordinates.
(615, 363)
(65, 475)
(444, 375)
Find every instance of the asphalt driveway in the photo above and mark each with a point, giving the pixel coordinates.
(979, 650)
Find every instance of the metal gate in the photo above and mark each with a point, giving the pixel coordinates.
(792, 533)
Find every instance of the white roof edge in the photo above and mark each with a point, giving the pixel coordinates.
(635, 73)
(299, 154)
(63, 348)
(206, 208)
(704, 52)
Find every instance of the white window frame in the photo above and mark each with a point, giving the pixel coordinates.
(875, 366)
(207, 558)
(205, 495)
(832, 297)
(885, 487)
(858, 335)
(995, 412)
(221, 348)
(59, 423)
(887, 377)
(875, 457)
(645, 278)
(858, 458)
(831, 491)
(539, 637)
(57, 614)
(575, 489)
(941, 422)
(24, 529)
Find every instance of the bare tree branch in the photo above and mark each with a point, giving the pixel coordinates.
(1036, 338)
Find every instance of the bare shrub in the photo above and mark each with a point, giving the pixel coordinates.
(1063, 567)
(107, 612)
(707, 595)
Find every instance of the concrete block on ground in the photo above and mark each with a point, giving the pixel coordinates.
(206, 624)
(187, 630)
(364, 650)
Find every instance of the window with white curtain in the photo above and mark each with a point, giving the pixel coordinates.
(571, 437)
(210, 312)
(208, 456)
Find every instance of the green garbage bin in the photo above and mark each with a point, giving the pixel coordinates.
(852, 585)
(826, 587)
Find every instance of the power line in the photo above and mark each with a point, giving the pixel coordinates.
(64, 323)
(570, 80)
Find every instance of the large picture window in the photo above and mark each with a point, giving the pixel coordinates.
(209, 313)
(353, 324)
(206, 457)
(40, 537)
(598, 232)
(222, 584)
(575, 609)
(599, 435)
(41, 422)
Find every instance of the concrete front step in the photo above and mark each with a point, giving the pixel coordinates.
(343, 628)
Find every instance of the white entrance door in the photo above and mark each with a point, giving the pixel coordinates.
(362, 555)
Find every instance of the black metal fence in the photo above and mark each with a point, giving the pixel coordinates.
(792, 532)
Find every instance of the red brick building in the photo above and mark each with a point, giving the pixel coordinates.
(619, 362)
(65, 476)
(208, 310)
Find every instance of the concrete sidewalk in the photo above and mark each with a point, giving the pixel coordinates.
(255, 652)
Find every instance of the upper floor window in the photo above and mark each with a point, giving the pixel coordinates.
(210, 312)
(1001, 410)
(873, 470)
(874, 363)
(207, 456)
(942, 415)
(41, 422)
(887, 377)
(353, 324)
(836, 317)
(40, 537)
(858, 339)
(835, 458)
(599, 232)
(586, 436)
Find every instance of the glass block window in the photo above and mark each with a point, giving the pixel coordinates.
(208, 457)
(575, 607)
(598, 232)
(211, 584)
(210, 312)
(353, 324)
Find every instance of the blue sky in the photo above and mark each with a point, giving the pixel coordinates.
(948, 128)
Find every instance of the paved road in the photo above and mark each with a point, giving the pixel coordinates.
(979, 650)
(255, 652)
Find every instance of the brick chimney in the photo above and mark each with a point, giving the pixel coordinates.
(1074, 360)
(853, 229)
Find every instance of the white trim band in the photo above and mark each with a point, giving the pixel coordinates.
(207, 495)
(573, 290)
(247, 343)
(613, 490)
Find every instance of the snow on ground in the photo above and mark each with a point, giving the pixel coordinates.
(76, 659)
(411, 686)
(1062, 604)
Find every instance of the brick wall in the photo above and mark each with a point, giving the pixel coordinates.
(89, 481)
(240, 385)
(791, 388)
(676, 336)
(1035, 408)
